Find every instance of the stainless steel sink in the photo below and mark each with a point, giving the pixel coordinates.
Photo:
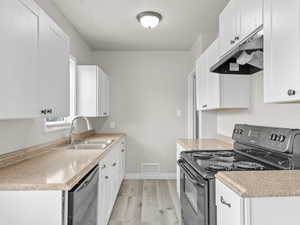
(97, 142)
(87, 146)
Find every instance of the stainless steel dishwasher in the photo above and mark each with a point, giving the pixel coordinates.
(83, 200)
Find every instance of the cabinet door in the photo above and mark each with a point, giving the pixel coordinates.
(213, 79)
(229, 21)
(202, 82)
(281, 51)
(123, 160)
(179, 149)
(251, 16)
(104, 197)
(87, 95)
(54, 68)
(103, 93)
(19, 22)
(229, 206)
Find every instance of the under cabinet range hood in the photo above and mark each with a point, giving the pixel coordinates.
(246, 58)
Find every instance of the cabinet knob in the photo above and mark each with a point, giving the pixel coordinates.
(123, 150)
(291, 92)
(232, 42)
(204, 106)
(114, 164)
(236, 38)
(44, 111)
(103, 167)
(106, 177)
(49, 111)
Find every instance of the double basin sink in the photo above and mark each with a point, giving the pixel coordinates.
(89, 145)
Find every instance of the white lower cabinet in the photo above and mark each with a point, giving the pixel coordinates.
(179, 149)
(112, 172)
(235, 210)
(32, 207)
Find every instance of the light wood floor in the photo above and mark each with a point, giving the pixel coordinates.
(147, 202)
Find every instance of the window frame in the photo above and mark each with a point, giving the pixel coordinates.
(66, 123)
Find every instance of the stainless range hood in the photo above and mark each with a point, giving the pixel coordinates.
(247, 58)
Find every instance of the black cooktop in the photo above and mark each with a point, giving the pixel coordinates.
(208, 163)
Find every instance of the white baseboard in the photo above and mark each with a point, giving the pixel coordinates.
(140, 176)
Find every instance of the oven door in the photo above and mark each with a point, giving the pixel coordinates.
(193, 196)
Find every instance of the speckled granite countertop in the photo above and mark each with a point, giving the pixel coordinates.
(255, 184)
(204, 144)
(55, 169)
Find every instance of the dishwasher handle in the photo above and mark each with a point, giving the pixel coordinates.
(88, 180)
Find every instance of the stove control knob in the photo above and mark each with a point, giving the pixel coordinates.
(281, 138)
(273, 137)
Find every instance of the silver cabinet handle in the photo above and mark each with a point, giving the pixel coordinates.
(106, 177)
(291, 92)
(114, 164)
(204, 106)
(224, 202)
(44, 111)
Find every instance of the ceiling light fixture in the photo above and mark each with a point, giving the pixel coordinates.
(149, 19)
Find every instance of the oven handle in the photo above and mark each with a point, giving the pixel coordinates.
(181, 163)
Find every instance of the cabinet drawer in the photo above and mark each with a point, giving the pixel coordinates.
(229, 206)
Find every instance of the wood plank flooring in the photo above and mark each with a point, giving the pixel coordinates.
(147, 202)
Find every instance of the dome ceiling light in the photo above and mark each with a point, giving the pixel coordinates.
(149, 19)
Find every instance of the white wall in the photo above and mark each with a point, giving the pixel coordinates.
(17, 134)
(278, 115)
(147, 89)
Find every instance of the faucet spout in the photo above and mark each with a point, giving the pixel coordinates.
(88, 125)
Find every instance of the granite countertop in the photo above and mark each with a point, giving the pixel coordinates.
(257, 184)
(56, 169)
(204, 144)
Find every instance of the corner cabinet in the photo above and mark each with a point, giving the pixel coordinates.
(235, 210)
(34, 62)
(281, 51)
(216, 91)
(239, 19)
(93, 92)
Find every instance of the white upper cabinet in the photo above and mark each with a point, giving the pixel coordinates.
(217, 91)
(201, 82)
(19, 26)
(281, 51)
(54, 68)
(229, 21)
(93, 92)
(251, 16)
(34, 61)
(239, 19)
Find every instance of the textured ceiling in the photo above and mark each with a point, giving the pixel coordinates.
(112, 24)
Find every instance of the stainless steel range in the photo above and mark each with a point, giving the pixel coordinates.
(255, 148)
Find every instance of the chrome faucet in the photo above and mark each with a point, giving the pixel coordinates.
(88, 125)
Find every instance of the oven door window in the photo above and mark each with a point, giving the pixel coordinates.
(191, 193)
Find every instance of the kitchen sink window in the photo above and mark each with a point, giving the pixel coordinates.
(62, 123)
